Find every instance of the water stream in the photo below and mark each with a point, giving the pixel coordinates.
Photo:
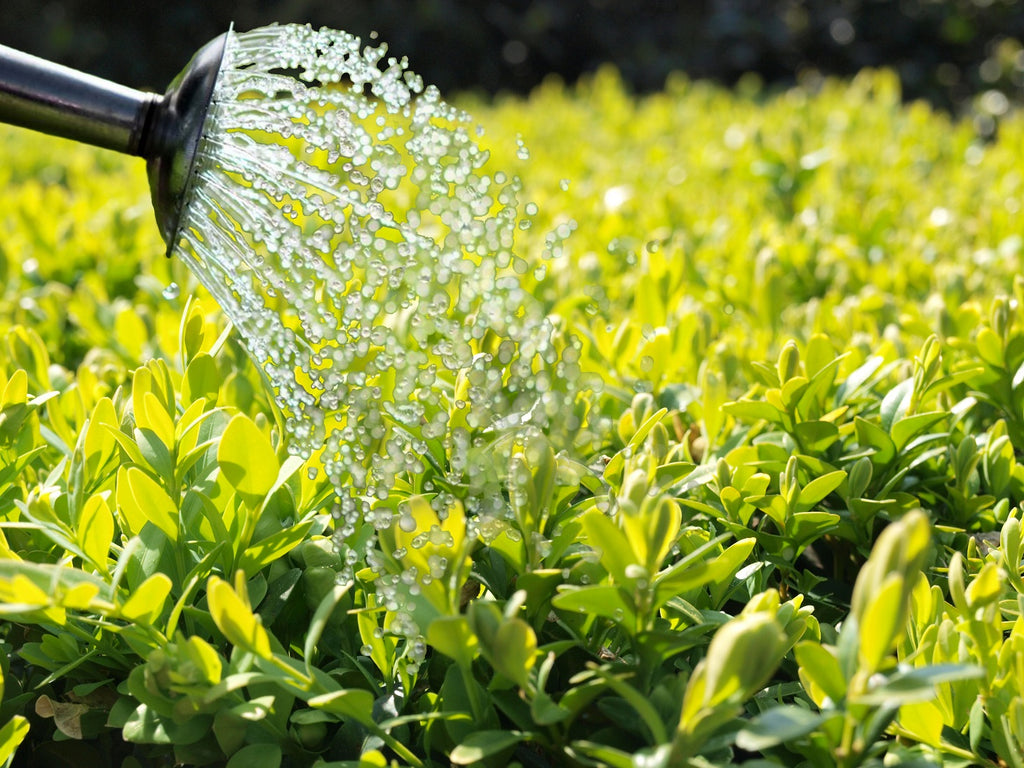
(343, 216)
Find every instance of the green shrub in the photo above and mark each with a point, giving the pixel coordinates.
(797, 540)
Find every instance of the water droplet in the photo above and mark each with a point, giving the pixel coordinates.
(172, 291)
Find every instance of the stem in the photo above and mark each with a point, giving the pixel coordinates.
(846, 752)
(397, 747)
(474, 695)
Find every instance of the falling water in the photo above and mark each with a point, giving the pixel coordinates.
(342, 215)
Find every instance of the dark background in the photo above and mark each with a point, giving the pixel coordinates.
(947, 51)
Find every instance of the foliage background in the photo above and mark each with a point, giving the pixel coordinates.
(812, 348)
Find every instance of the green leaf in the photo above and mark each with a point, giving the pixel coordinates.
(151, 415)
(792, 391)
(126, 443)
(742, 655)
(351, 703)
(819, 355)
(146, 603)
(895, 403)
(16, 390)
(818, 488)
(192, 330)
(452, 636)
(779, 725)
(818, 663)
(141, 499)
(689, 572)
(513, 650)
(990, 347)
(816, 436)
(155, 453)
(267, 550)
(857, 379)
(976, 724)
(235, 620)
(96, 532)
(754, 410)
(319, 621)
(247, 460)
(723, 567)
(482, 744)
(640, 703)
(145, 727)
(604, 755)
(870, 435)
(905, 429)
(11, 735)
(616, 555)
(880, 624)
(256, 756)
(804, 527)
(597, 599)
(918, 684)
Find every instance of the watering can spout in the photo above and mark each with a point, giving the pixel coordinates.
(165, 130)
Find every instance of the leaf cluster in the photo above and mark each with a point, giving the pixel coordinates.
(795, 538)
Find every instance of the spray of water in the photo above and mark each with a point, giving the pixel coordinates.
(343, 217)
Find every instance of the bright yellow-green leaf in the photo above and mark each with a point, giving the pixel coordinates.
(11, 735)
(742, 655)
(821, 668)
(150, 414)
(192, 331)
(351, 703)
(19, 595)
(990, 347)
(607, 538)
(247, 459)
(202, 379)
(923, 721)
(235, 620)
(22, 590)
(130, 332)
(274, 546)
(452, 636)
(419, 534)
(142, 499)
(80, 596)
(96, 531)
(382, 647)
(99, 443)
(986, 587)
(205, 659)
(513, 650)
(146, 603)
(881, 623)
(16, 391)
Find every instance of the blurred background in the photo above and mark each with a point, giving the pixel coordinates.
(958, 54)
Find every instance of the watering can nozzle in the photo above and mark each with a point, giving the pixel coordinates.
(48, 97)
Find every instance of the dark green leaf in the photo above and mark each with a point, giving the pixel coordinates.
(779, 725)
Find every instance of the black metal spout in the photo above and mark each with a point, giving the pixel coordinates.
(165, 130)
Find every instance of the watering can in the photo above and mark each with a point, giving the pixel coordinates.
(165, 130)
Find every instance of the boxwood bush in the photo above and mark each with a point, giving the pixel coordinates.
(796, 540)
